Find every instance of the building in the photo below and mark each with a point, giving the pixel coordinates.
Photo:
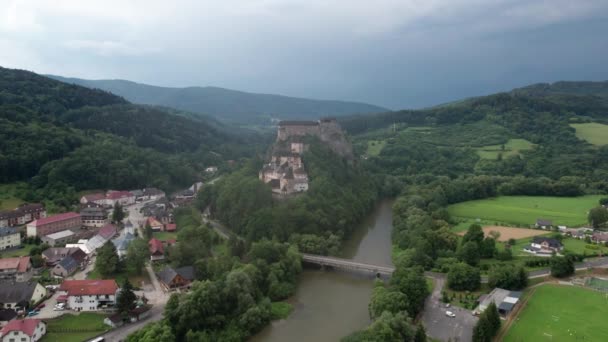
(123, 197)
(544, 224)
(504, 300)
(66, 267)
(94, 217)
(52, 224)
(18, 269)
(122, 243)
(543, 246)
(20, 295)
(152, 194)
(52, 256)
(23, 214)
(211, 169)
(176, 278)
(108, 231)
(59, 238)
(7, 315)
(170, 227)
(599, 237)
(88, 295)
(9, 238)
(97, 198)
(26, 330)
(154, 224)
(156, 249)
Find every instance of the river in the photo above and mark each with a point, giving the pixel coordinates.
(329, 305)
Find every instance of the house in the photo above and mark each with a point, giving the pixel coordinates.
(123, 197)
(211, 169)
(23, 214)
(9, 238)
(152, 194)
(65, 267)
(53, 224)
(170, 227)
(89, 295)
(135, 315)
(22, 295)
(94, 217)
(18, 269)
(114, 321)
(544, 246)
(59, 238)
(543, 224)
(505, 301)
(97, 198)
(94, 243)
(185, 194)
(154, 224)
(52, 256)
(599, 237)
(156, 249)
(108, 231)
(176, 278)
(26, 330)
(7, 315)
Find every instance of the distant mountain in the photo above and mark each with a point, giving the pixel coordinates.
(582, 88)
(226, 104)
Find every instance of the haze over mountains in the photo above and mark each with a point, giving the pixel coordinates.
(226, 104)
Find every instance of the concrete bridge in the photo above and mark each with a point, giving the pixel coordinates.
(346, 264)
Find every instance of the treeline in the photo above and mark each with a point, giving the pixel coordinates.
(65, 138)
(339, 196)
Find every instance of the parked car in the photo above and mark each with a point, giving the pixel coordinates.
(450, 314)
(32, 313)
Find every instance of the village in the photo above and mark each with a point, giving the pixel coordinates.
(47, 269)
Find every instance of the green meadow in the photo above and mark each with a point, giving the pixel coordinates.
(593, 133)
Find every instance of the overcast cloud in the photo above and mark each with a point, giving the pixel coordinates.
(399, 54)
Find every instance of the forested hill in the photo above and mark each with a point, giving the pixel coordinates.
(599, 89)
(226, 104)
(63, 138)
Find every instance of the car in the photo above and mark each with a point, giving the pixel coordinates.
(450, 314)
(59, 308)
(32, 313)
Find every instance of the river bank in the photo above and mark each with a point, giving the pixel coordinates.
(330, 304)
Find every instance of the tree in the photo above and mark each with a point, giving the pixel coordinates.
(412, 283)
(138, 254)
(107, 260)
(562, 266)
(512, 242)
(604, 201)
(506, 276)
(384, 299)
(117, 214)
(148, 230)
(469, 253)
(487, 247)
(494, 234)
(482, 330)
(598, 216)
(37, 261)
(463, 277)
(126, 298)
(474, 233)
(153, 332)
(491, 314)
(420, 334)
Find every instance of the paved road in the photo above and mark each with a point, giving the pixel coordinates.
(120, 334)
(441, 327)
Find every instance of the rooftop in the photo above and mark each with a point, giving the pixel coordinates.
(19, 263)
(118, 194)
(61, 235)
(27, 326)
(55, 218)
(156, 246)
(89, 287)
(5, 231)
(108, 231)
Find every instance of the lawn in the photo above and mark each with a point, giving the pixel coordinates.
(17, 252)
(8, 196)
(374, 147)
(582, 247)
(76, 328)
(134, 279)
(512, 148)
(164, 236)
(562, 313)
(524, 210)
(593, 133)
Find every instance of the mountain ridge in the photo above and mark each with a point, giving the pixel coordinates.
(227, 104)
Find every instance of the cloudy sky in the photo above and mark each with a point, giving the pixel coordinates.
(394, 53)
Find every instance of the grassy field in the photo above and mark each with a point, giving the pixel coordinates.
(374, 147)
(593, 133)
(280, 310)
(134, 279)
(164, 236)
(84, 326)
(512, 148)
(17, 252)
(8, 199)
(578, 314)
(524, 210)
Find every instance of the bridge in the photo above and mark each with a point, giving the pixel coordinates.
(345, 264)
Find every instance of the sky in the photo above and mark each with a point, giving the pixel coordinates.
(393, 53)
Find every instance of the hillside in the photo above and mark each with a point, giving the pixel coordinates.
(64, 138)
(226, 104)
(599, 89)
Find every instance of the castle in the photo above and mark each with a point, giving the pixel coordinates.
(286, 172)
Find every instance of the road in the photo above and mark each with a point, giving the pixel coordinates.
(120, 334)
(444, 328)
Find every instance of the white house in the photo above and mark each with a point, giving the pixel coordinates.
(9, 238)
(27, 330)
(88, 295)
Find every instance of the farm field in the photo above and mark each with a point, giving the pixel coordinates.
(524, 210)
(374, 147)
(593, 133)
(507, 233)
(568, 319)
(512, 148)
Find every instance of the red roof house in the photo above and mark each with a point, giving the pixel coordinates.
(170, 227)
(114, 195)
(53, 224)
(154, 224)
(18, 268)
(156, 249)
(89, 287)
(108, 231)
(93, 198)
(18, 329)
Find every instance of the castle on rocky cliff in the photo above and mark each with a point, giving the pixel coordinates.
(286, 172)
